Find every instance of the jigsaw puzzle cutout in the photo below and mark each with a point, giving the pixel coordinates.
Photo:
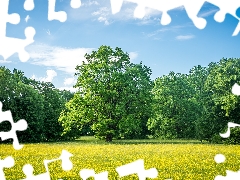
(230, 125)
(28, 5)
(21, 125)
(192, 9)
(137, 167)
(87, 173)
(219, 158)
(231, 175)
(60, 15)
(66, 166)
(9, 45)
(8, 162)
(236, 89)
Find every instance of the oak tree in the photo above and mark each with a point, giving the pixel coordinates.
(113, 98)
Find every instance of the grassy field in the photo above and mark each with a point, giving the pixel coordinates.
(173, 159)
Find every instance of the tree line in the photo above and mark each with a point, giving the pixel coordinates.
(39, 103)
(117, 99)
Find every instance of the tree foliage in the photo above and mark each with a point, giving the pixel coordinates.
(114, 96)
(197, 105)
(175, 107)
(117, 99)
(39, 103)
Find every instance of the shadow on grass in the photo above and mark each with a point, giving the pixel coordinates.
(149, 141)
(92, 140)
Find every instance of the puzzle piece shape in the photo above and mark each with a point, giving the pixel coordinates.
(230, 125)
(8, 45)
(192, 9)
(28, 5)
(219, 158)
(230, 176)
(8, 162)
(227, 7)
(87, 173)
(66, 162)
(75, 4)
(60, 15)
(137, 167)
(28, 171)
(53, 15)
(236, 89)
(21, 125)
(66, 165)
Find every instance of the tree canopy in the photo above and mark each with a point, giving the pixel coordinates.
(116, 99)
(196, 105)
(113, 98)
(39, 103)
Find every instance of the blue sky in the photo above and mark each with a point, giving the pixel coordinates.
(60, 46)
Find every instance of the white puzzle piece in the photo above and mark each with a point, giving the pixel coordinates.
(21, 125)
(8, 162)
(9, 45)
(192, 8)
(66, 166)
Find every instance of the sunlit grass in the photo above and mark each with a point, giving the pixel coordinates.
(179, 159)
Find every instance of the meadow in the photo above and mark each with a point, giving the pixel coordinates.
(174, 159)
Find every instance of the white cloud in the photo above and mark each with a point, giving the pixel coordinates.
(184, 37)
(50, 75)
(90, 3)
(69, 81)
(72, 89)
(103, 15)
(100, 9)
(103, 11)
(4, 61)
(103, 19)
(165, 29)
(133, 55)
(63, 59)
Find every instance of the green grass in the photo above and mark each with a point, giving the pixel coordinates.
(175, 159)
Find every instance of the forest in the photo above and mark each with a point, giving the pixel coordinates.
(117, 99)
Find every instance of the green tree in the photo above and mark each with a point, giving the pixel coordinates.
(174, 107)
(197, 78)
(224, 105)
(74, 117)
(7, 84)
(40, 103)
(29, 105)
(114, 96)
(65, 94)
(54, 103)
(24, 103)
